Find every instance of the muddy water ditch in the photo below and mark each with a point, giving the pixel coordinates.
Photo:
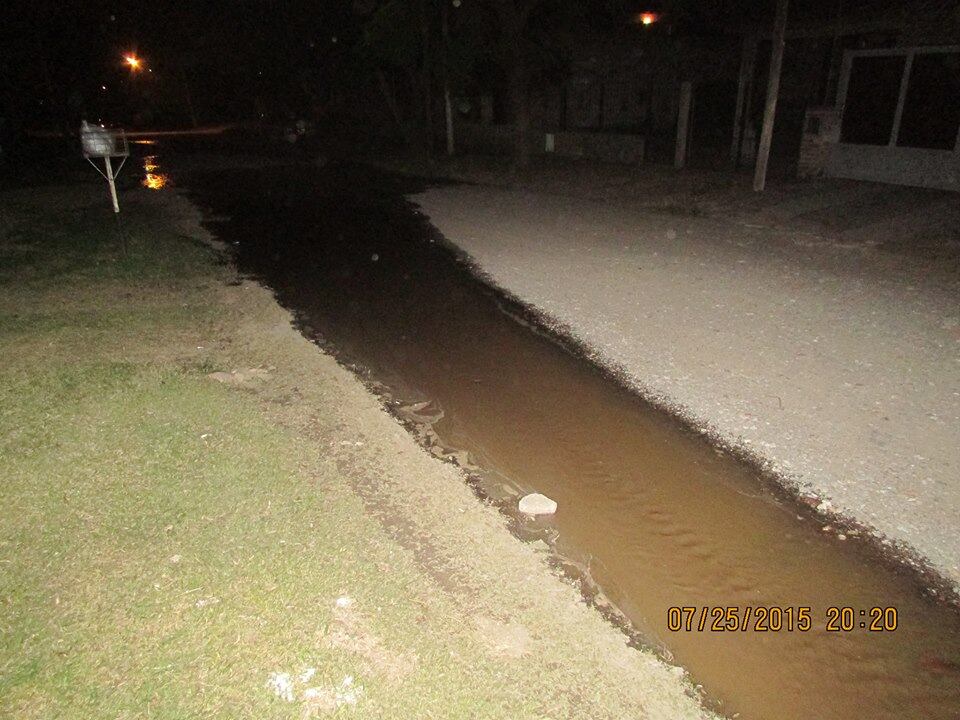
(652, 513)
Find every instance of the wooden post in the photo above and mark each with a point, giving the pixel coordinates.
(683, 124)
(773, 90)
(447, 104)
(748, 60)
(748, 110)
(426, 76)
(449, 111)
(112, 182)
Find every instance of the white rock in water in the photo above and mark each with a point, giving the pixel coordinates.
(537, 504)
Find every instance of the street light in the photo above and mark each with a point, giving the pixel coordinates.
(133, 61)
(647, 18)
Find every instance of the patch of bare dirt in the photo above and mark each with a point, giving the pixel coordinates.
(242, 378)
(509, 640)
(350, 631)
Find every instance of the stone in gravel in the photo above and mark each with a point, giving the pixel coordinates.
(537, 504)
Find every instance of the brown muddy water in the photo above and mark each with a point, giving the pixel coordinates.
(656, 515)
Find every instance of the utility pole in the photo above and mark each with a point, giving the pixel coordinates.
(773, 90)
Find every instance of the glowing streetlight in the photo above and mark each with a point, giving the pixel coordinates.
(647, 18)
(133, 61)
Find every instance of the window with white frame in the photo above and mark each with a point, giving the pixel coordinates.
(905, 98)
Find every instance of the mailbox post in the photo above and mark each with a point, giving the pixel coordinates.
(99, 142)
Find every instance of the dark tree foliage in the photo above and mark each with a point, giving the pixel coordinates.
(203, 60)
(488, 44)
(366, 64)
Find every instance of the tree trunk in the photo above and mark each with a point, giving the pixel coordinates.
(520, 98)
(391, 102)
(425, 77)
(513, 15)
(188, 98)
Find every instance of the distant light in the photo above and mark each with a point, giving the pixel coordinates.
(103, 87)
(647, 18)
(133, 61)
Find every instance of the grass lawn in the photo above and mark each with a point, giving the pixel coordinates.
(164, 547)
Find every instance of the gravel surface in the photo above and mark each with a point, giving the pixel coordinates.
(836, 364)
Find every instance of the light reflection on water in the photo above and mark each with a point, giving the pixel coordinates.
(152, 177)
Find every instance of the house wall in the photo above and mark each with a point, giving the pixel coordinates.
(896, 165)
(891, 162)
